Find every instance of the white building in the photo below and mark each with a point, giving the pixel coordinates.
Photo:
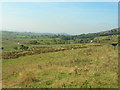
(91, 41)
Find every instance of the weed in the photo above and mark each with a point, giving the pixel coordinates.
(48, 82)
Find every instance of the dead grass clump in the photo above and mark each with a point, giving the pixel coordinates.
(40, 67)
(28, 78)
(74, 70)
(74, 60)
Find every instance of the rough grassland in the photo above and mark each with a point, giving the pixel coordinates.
(91, 67)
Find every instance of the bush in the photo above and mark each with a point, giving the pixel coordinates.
(23, 47)
(2, 48)
(34, 42)
(16, 48)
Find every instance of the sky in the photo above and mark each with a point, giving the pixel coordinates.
(59, 17)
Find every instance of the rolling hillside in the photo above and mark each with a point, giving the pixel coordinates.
(60, 61)
(91, 67)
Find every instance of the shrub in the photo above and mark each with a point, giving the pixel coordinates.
(34, 42)
(2, 48)
(16, 48)
(23, 47)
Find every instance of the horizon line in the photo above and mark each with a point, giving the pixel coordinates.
(56, 33)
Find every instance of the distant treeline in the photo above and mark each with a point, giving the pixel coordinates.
(92, 35)
(9, 34)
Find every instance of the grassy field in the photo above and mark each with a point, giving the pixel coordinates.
(91, 67)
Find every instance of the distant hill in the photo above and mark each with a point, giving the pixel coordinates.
(64, 36)
(10, 34)
(110, 32)
(103, 33)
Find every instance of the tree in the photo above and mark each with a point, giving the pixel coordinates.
(34, 42)
(23, 47)
(63, 37)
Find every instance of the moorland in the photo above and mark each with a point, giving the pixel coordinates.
(47, 60)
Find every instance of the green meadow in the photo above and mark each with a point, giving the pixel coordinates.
(59, 63)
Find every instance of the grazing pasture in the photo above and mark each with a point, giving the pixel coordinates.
(59, 61)
(91, 67)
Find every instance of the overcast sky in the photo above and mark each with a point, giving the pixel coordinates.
(59, 17)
